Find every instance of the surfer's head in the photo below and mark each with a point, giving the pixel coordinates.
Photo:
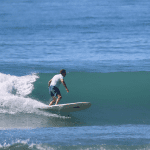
(63, 72)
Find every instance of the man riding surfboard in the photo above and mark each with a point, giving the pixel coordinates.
(54, 84)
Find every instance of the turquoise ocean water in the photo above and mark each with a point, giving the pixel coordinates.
(103, 45)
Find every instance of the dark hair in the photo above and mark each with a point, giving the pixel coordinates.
(62, 71)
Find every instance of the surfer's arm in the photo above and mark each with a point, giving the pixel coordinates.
(64, 84)
(49, 82)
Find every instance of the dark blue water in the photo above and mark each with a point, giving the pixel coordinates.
(103, 45)
(99, 36)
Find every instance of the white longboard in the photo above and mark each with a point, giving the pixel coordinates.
(69, 107)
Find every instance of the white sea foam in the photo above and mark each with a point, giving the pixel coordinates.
(23, 85)
(14, 93)
(14, 98)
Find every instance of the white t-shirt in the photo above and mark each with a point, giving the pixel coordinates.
(56, 80)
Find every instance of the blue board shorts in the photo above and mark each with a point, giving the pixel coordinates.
(54, 91)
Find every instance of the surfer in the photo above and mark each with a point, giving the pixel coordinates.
(54, 84)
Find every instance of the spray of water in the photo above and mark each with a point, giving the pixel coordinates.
(14, 93)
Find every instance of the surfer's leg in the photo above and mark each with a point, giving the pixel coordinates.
(53, 101)
(58, 99)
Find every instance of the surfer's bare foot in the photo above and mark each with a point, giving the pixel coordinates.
(51, 103)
